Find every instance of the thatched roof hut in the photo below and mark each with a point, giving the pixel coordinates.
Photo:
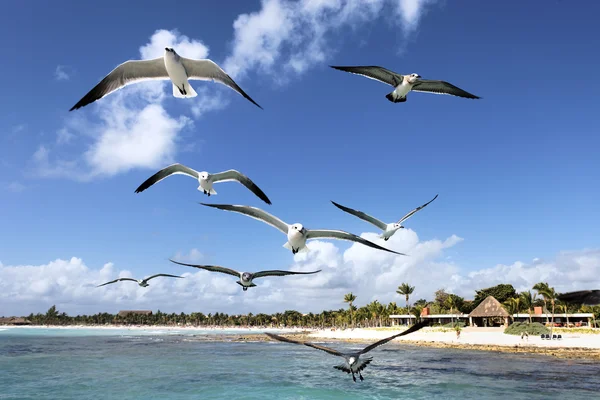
(125, 313)
(14, 321)
(490, 307)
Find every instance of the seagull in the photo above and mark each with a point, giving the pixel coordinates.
(353, 363)
(245, 277)
(405, 83)
(388, 229)
(205, 179)
(297, 234)
(141, 282)
(589, 297)
(169, 67)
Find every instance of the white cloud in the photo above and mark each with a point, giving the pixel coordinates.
(368, 273)
(60, 73)
(15, 187)
(295, 34)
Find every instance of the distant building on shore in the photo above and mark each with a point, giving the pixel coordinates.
(14, 321)
(125, 313)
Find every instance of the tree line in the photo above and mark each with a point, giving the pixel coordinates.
(373, 314)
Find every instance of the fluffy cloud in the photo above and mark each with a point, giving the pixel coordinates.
(368, 273)
(294, 35)
(131, 128)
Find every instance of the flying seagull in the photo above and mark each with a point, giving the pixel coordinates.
(169, 67)
(388, 229)
(589, 297)
(142, 282)
(245, 277)
(205, 179)
(353, 363)
(405, 83)
(297, 234)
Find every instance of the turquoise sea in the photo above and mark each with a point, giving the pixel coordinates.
(124, 364)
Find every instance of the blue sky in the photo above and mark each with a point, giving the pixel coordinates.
(517, 172)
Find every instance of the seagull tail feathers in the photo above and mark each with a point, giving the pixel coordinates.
(186, 91)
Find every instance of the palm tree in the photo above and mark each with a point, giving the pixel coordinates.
(450, 302)
(527, 300)
(405, 290)
(550, 294)
(513, 306)
(541, 288)
(349, 298)
(565, 308)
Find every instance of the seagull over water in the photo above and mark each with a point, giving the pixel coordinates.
(245, 277)
(589, 297)
(353, 363)
(405, 83)
(141, 282)
(388, 229)
(297, 234)
(205, 179)
(171, 67)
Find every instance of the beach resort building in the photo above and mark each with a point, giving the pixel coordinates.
(14, 321)
(442, 319)
(543, 316)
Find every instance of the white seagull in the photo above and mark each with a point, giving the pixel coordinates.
(405, 83)
(589, 297)
(205, 179)
(141, 282)
(388, 229)
(297, 234)
(353, 363)
(245, 277)
(169, 67)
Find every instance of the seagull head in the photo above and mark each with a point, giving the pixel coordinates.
(398, 226)
(203, 176)
(299, 228)
(412, 78)
(351, 360)
(247, 276)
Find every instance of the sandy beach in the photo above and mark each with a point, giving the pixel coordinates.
(572, 345)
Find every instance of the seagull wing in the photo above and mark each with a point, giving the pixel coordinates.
(410, 214)
(412, 329)
(260, 274)
(207, 70)
(374, 72)
(117, 280)
(169, 275)
(233, 175)
(590, 297)
(212, 268)
(166, 172)
(362, 215)
(315, 346)
(341, 235)
(131, 71)
(255, 213)
(441, 87)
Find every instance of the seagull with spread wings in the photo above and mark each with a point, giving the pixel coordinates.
(205, 179)
(406, 83)
(171, 67)
(296, 233)
(388, 229)
(589, 297)
(353, 363)
(141, 282)
(245, 277)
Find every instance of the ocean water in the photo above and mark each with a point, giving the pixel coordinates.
(122, 364)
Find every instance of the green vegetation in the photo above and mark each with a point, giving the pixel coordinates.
(533, 329)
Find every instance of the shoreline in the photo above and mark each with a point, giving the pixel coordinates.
(573, 345)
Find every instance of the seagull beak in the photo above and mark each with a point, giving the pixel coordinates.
(418, 76)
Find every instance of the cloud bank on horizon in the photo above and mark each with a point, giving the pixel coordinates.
(70, 284)
(131, 128)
